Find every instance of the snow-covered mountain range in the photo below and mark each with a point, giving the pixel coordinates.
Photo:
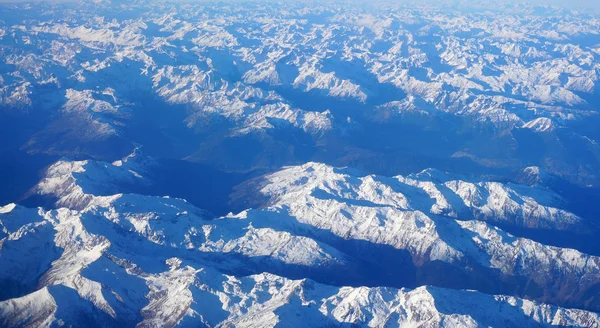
(347, 84)
(293, 164)
(316, 235)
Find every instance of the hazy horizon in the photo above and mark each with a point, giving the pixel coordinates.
(573, 4)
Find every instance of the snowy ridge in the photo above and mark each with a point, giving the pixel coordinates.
(74, 183)
(351, 207)
(430, 191)
(252, 108)
(107, 278)
(541, 124)
(131, 259)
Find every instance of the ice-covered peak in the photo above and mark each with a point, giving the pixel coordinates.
(541, 124)
(74, 183)
(430, 191)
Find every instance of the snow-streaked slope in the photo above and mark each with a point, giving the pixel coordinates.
(104, 276)
(338, 226)
(249, 107)
(73, 183)
(431, 192)
(542, 124)
(392, 219)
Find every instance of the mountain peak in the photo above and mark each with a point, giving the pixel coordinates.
(541, 124)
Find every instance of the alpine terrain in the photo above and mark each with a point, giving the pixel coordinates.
(299, 164)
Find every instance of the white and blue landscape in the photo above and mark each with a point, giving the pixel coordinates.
(299, 164)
